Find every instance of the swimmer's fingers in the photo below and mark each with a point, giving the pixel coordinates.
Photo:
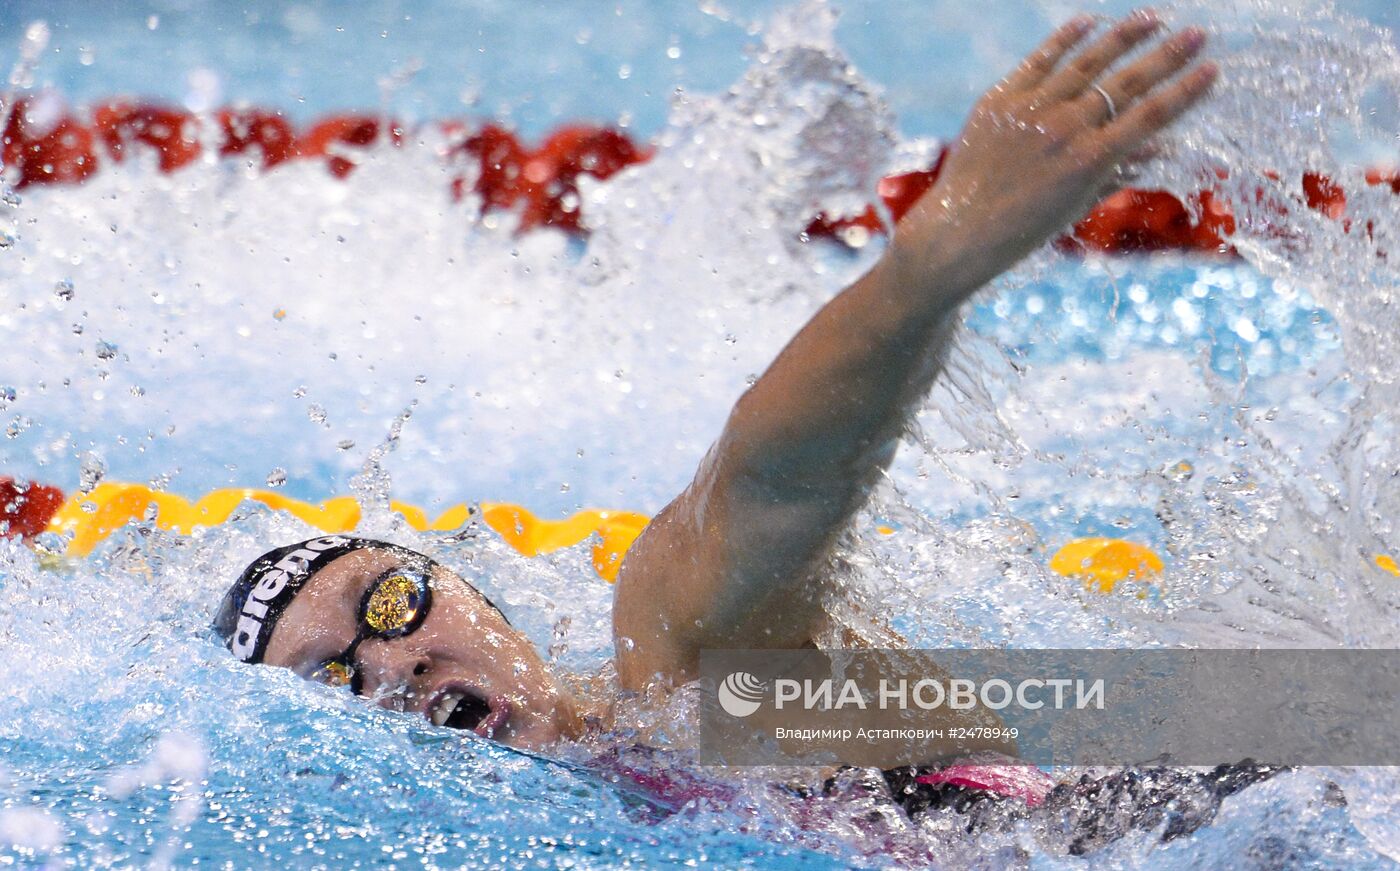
(1140, 77)
(1081, 72)
(1042, 62)
(1143, 154)
(1135, 127)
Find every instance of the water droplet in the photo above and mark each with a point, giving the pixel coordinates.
(63, 290)
(7, 395)
(345, 444)
(1179, 472)
(92, 468)
(7, 239)
(277, 477)
(855, 236)
(300, 391)
(106, 350)
(77, 329)
(317, 414)
(36, 39)
(564, 487)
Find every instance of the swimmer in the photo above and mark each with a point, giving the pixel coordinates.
(741, 558)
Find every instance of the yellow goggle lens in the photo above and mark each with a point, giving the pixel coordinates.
(393, 604)
(336, 674)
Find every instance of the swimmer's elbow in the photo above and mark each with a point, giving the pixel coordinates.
(812, 494)
(776, 467)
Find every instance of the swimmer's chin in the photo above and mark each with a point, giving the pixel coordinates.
(538, 732)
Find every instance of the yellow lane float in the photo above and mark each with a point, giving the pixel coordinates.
(1103, 562)
(91, 517)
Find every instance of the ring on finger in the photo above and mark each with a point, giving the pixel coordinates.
(1108, 101)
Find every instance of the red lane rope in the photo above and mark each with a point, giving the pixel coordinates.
(26, 507)
(43, 143)
(543, 183)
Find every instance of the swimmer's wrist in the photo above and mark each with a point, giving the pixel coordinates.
(930, 260)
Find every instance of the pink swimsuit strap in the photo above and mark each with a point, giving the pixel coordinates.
(1005, 780)
(675, 787)
(669, 785)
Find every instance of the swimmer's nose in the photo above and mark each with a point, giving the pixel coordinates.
(393, 672)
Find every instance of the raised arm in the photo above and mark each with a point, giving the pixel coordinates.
(738, 560)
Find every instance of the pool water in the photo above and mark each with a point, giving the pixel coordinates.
(234, 328)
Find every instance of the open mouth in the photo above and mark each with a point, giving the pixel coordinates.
(461, 708)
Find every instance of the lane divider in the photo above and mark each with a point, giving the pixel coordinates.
(27, 510)
(1103, 563)
(44, 142)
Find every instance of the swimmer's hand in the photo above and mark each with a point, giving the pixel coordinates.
(741, 559)
(1045, 144)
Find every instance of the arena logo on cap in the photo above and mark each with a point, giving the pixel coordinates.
(296, 565)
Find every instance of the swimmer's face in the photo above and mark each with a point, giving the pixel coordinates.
(463, 667)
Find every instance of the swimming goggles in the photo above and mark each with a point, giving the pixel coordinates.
(395, 605)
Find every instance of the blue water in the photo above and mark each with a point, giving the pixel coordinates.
(561, 375)
(533, 65)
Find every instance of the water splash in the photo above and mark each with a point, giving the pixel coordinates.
(532, 363)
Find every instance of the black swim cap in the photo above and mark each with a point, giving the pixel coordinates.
(253, 605)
